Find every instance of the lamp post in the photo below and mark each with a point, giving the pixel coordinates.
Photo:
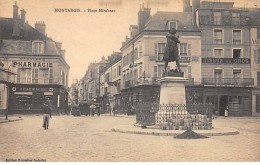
(7, 89)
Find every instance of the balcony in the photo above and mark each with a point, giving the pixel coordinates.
(237, 82)
(141, 81)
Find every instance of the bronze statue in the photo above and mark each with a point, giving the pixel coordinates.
(171, 50)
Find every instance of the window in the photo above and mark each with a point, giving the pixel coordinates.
(236, 37)
(218, 73)
(136, 54)
(257, 55)
(63, 77)
(29, 76)
(23, 75)
(140, 51)
(172, 24)
(258, 79)
(183, 49)
(136, 74)
(218, 52)
(235, 18)
(159, 49)
(124, 60)
(19, 75)
(189, 74)
(1, 100)
(155, 72)
(107, 77)
(217, 18)
(35, 75)
(51, 76)
(235, 102)
(38, 47)
(140, 72)
(236, 53)
(236, 73)
(119, 70)
(218, 36)
(127, 59)
(44, 76)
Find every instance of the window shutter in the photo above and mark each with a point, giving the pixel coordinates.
(189, 49)
(155, 49)
(155, 72)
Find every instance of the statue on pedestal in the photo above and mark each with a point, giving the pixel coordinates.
(171, 50)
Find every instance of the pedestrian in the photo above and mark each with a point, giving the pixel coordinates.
(98, 111)
(92, 108)
(114, 111)
(46, 114)
(226, 111)
(132, 110)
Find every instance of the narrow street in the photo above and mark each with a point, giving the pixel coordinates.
(91, 139)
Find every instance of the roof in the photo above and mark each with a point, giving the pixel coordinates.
(159, 21)
(254, 16)
(22, 44)
(28, 33)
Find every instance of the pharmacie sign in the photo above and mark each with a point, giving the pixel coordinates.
(27, 64)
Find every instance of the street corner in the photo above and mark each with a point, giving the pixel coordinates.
(12, 119)
(132, 129)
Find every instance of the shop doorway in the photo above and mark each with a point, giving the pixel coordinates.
(223, 102)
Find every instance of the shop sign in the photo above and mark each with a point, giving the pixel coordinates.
(32, 89)
(27, 64)
(188, 59)
(226, 61)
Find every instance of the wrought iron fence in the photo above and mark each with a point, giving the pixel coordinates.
(154, 113)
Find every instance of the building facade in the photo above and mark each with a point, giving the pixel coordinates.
(255, 56)
(142, 54)
(39, 63)
(226, 56)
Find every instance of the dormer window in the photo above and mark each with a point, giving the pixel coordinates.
(38, 47)
(172, 24)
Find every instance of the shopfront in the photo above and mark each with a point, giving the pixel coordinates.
(29, 98)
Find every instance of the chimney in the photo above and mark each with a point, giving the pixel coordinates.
(59, 45)
(16, 28)
(186, 5)
(15, 11)
(23, 12)
(40, 26)
(133, 30)
(143, 16)
(195, 6)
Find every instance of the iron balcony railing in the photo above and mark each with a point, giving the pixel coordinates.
(141, 81)
(228, 81)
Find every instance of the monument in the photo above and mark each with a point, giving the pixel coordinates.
(172, 112)
(173, 81)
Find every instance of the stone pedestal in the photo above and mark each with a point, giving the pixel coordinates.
(173, 90)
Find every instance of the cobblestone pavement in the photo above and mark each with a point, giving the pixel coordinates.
(90, 139)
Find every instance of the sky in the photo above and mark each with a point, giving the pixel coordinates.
(87, 36)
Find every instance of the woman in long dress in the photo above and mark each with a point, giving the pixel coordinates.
(226, 111)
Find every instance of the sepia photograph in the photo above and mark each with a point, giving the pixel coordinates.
(129, 81)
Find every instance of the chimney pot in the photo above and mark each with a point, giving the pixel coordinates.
(15, 11)
(40, 26)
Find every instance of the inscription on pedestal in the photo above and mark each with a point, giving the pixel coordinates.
(173, 73)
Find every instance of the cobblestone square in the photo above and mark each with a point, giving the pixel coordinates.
(90, 139)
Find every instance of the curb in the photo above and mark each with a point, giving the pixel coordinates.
(5, 121)
(177, 132)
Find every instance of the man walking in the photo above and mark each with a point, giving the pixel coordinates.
(46, 114)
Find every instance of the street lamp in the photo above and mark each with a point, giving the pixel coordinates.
(7, 89)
